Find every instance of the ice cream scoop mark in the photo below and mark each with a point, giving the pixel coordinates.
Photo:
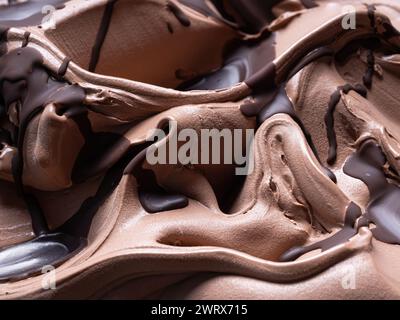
(179, 14)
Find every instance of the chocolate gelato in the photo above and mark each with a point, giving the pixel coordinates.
(84, 83)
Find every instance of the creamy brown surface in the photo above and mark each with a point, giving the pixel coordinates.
(288, 200)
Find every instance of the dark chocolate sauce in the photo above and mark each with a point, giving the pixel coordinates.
(101, 34)
(200, 6)
(27, 259)
(311, 57)
(179, 14)
(64, 67)
(27, 34)
(353, 212)
(170, 28)
(153, 197)
(242, 62)
(369, 73)
(248, 16)
(24, 80)
(390, 31)
(371, 15)
(309, 4)
(282, 104)
(270, 98)
(79, 224)
(329, 119)
(383, 209)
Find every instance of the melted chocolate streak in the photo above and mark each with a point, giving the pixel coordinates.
(20, 84)
(367, 78)
(383, 209)
(101, 34)
(270, 98)
(248, 16)
(64, 67)
(309, 4)
(179, 14)
(353, 212)
(27, 34)
(25, 81)
(329, 120)
(265, 107)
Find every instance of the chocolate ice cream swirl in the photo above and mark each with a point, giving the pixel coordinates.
(75, 116)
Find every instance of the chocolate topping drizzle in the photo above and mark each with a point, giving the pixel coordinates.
(152, 196)
(27, 34)
(309, 4)
(383, 209)
(371, 15)
(179, 14)
(248, 16)
(270, 98)
(170, 28)
(369, 73)
(28, 259)
(64, 67)
(242, 62)
(353, 212)
(329, 119)
(24, 80)
(101, 34)
(311, 57)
